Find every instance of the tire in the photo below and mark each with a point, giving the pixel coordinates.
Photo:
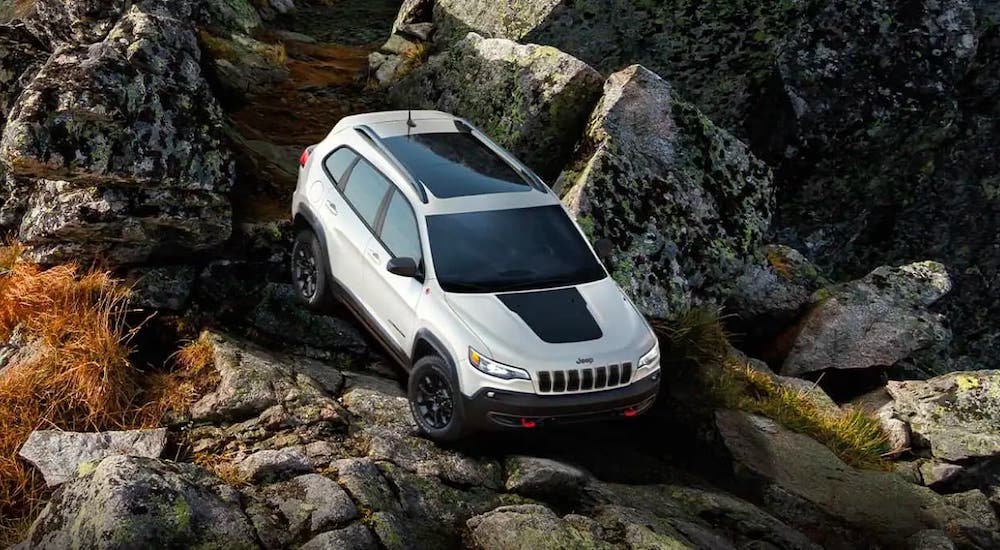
(309, 276)
(430, 381)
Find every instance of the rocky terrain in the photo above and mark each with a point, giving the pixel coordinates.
(824, 173)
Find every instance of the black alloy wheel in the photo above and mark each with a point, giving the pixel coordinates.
(305, 271)
(434, 400)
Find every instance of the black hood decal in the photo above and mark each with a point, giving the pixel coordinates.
(557, 316)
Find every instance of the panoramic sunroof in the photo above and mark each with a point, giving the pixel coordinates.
(455, 164)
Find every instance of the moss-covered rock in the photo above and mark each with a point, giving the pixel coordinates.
(130, 502)
(130, 129)
(684, 202)
(953, 415)
(531, 99)
(528, 527)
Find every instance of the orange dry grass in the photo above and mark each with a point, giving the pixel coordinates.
(194, 375)
(74, 372)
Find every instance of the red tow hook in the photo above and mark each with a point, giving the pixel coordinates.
(528, 423)
(630, 412)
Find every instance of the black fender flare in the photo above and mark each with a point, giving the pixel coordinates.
(307, 219)
(426, 336)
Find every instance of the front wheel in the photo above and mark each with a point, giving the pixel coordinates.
(435, 401)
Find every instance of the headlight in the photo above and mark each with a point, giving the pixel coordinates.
(652, 357)
(493, 368)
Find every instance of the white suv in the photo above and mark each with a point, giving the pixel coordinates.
(467, 268)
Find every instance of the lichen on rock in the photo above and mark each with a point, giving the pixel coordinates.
(685, 203)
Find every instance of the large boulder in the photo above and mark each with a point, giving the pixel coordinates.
(129, 502)
(673, 38)
(956, 416)
(532, 99)
(20, 58)
(59, 454)
(72, 22)
(131, 123)
(684, 202)
(805, 483)
(878, 320)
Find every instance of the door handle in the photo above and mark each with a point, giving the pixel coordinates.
(374, 255)
(332, 206)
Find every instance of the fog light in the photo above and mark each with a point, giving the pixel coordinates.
(490, 394)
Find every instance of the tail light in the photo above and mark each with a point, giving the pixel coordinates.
(306, 153)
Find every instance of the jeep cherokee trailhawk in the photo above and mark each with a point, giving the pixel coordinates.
(465, 265)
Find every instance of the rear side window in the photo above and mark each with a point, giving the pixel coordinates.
(365, 190)
(399, 231)
(337, 164)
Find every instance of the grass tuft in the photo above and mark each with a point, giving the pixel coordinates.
(72, 368)
(698, 336)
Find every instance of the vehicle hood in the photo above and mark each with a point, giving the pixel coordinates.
(554, 328)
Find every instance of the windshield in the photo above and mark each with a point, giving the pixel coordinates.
(503, 250)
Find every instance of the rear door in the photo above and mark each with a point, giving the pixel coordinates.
(396, 297)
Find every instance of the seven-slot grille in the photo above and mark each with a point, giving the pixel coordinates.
(587, 379)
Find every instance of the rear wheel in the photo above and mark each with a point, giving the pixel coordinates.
(435, 401)
(308, 273)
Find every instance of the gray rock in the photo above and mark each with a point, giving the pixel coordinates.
(878, 320)
(311, 504)
(544, 479)
(134, 142)
(273, 464)
(254, 380)
(930, 539)
(72, 22)
(242, 66)
(234, 15)
(684, 202)
(60, 455)
(934, 473)
(771, 292)
(20, 58)
(165, 287)
(954, 415)
(280, 315)
(527, 527)
(809, 484)
(700, 517)
(413, 11)
(977, 505)
(365, 483)
(419, 31)
(354, 536)
(129, 502)
(533, 100)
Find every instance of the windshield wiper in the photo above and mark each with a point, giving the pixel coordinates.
(539, 283)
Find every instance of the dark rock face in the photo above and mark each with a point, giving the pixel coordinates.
(20, 58)
(685, 203)
(119, 146)
(891, 159)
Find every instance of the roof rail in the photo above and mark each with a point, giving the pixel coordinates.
(377, 142)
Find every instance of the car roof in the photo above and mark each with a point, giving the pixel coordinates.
(448, 165)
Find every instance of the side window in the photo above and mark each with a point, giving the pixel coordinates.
(399, 230)
(338, 163)
(365, 191)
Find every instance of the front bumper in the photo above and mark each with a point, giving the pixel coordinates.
(492, 408)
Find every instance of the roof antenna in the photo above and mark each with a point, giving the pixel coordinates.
(409, 121)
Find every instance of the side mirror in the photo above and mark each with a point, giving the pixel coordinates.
(404, 267)
(604, 248)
